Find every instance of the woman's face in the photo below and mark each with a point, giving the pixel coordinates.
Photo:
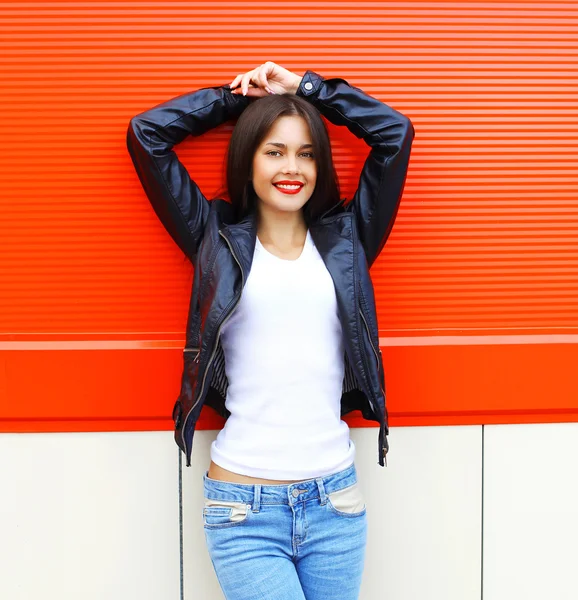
(282, 157)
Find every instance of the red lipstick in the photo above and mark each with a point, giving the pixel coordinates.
(287, 182)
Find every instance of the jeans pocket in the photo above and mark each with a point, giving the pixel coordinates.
(348, 501)
(224, 513)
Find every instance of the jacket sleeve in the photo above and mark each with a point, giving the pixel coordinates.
(388, 133)
(151, 136)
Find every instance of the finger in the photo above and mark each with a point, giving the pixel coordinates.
(250, 91)
(256, 92)
(262, 77)
(236, 80)
(246, 80)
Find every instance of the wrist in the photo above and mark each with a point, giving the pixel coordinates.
(296, 84)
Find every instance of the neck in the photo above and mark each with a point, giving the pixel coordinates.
(284, 230)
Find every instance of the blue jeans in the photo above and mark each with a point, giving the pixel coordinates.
(298, 541)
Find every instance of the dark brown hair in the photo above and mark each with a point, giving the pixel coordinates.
(251, 128)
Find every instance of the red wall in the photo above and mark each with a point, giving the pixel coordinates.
(477, 287)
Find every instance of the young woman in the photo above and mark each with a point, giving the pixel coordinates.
(282, 335)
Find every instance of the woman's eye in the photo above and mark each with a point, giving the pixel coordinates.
(310, 154)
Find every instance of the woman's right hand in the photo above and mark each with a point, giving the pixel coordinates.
(267, 78)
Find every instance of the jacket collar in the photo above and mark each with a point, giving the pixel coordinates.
(242, 236)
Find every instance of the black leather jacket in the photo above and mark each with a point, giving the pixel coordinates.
(349, 237)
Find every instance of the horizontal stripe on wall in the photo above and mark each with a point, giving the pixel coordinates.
(441, 384)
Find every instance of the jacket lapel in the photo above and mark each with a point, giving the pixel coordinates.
(243, 237)
(334, 241)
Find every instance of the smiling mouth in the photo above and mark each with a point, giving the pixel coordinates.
(289, 190)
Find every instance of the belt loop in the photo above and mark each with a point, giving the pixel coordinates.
(322, 496)
(256, 497)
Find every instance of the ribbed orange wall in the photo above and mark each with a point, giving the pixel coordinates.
(477, 287)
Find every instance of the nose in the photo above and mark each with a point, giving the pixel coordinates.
(291, 165)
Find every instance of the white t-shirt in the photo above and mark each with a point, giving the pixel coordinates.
(283, 349)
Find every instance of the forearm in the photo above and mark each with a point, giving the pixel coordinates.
(365, 116)
(388, 133)
(158, 129)
(151, 135)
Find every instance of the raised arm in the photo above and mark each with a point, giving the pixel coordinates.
(151, 135)
(389, 135)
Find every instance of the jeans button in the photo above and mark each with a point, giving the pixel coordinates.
(295, 493)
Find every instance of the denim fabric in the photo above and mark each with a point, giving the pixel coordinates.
(298, 541)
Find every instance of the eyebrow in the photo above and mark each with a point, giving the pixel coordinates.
(280, 145)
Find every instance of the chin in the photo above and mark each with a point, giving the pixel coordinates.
(290, 204)
(290, 207)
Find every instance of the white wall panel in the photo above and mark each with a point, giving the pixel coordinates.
(89, 516)
(425, 537)
(200, 578)
(531, 512)
(424, 514)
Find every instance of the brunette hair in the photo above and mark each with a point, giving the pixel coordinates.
(250, 130)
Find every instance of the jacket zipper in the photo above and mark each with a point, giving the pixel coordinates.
(372, 346)
(192, 349)
(383, 448)
(216, 342)
(195, 359)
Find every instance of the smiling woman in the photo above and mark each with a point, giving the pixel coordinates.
(281, 138)
(284, 349)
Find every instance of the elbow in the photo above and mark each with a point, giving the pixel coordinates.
(130, 134)
(408, 130)
(408, 134)
(400, 138)
(399, 146)
(134, 138)
(133, 129)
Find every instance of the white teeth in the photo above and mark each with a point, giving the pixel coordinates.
(288, 187)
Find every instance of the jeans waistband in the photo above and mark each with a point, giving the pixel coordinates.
(285, 493)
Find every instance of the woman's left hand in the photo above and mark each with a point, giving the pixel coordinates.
(268, 78)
